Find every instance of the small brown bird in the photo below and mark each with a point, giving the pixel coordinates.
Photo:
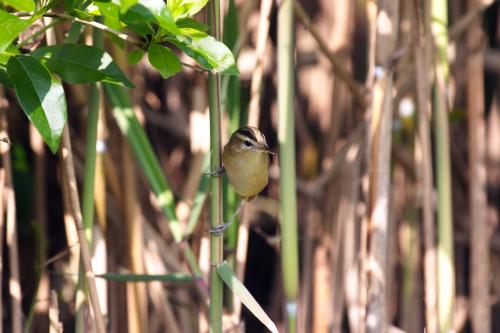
(246, 161)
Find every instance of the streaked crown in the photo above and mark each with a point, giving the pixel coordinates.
(251, 138)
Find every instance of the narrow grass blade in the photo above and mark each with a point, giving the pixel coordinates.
(230, 279)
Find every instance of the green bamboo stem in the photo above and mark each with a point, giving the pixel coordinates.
(216, 211)
(446, 273)
(286, 138)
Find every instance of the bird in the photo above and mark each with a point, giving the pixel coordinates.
(245, 160)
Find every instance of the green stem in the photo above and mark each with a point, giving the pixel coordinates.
(89, 179)
(216, 240)
(286, 138)
(446, 273)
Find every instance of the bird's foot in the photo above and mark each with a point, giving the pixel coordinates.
(217, 230)
(216, 172)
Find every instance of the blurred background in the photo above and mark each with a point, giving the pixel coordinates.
(398, 180)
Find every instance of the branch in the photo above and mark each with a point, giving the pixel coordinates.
(357, 90)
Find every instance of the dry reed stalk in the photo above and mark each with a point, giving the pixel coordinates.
(352, 240)
(379, 205)
(379, 173)
(368, 15)
(344, 243)
(424, 164)
(11, 228)
(312, 216)
(55, 325)
(253, 120)
(68, 169)
(4, 104)
(40, 207)
(111, 174)
(480, 311)
(159, 296)
(258, 72)
(353, 86)
(71, 233)
(136, 292)
(322, 287)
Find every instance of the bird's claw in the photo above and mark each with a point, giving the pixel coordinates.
(216, 172)
(217, 230)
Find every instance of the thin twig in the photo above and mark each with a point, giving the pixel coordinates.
(354, 87)
(462, 24)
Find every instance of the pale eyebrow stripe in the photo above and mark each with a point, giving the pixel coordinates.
(247, 132)
(243, 137)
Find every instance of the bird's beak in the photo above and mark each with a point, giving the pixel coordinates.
(266, 150)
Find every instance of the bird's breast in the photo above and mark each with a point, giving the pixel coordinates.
(248, 172)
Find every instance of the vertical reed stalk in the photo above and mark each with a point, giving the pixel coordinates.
(420, 35)
(55, 325)
(4, 104)
(89, 176)
(70, 183)
(445, 257)
(90, 148)
(216, 210)
(286, 139)
(137, 307)
(480, 239)
(380, 166)
(258, 73)
(11, 232)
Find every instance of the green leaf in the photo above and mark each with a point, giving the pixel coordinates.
(230, 279)
(71, 5)
(135, 56)
(192, 24)
(79, 63)
(126, 4)
(208, 52)
(231, 26)
(41, 96)
(5, 79)
(131, 128)
(111, 13)
(164, 60)
(11, 26)
(185, 8)
(10, 51)
(192, 28)
(154, 11)
(199, 198)
(21, 5)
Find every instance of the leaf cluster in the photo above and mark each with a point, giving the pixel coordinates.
(150, 26)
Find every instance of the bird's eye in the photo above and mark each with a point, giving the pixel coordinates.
(247, 143)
